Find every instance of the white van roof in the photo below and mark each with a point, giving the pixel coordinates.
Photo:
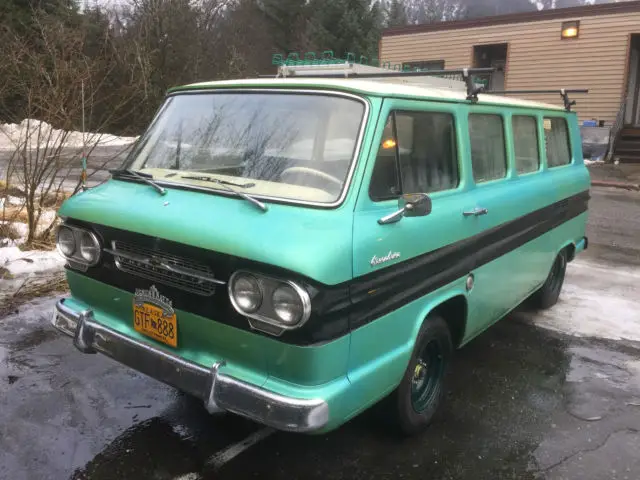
(386, 89)
(386, 83)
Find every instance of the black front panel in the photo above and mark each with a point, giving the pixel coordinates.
(329, 318)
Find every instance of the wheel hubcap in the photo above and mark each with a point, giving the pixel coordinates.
(427, 376)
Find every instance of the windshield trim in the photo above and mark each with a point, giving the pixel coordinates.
(321, 92)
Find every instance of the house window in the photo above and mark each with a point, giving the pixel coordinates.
(570, 30)
(424, 65)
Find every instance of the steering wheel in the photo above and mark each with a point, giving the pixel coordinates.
(312, 172)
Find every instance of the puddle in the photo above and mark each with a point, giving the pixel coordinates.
(35, 338)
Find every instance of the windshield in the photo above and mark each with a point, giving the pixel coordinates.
(284, 145)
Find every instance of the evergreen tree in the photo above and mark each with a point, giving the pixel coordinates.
(288, 22)
(17, 15)
(346, 26)
(396, 14)
(429, 11)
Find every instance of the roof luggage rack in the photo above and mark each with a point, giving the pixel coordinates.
(564, 93)
(327, 66)
(462, 79)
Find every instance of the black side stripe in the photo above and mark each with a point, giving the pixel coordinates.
(402, 283)
(338, 309)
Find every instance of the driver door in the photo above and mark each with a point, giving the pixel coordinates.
(419, 148)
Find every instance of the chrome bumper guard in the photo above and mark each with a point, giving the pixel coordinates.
(219, 392)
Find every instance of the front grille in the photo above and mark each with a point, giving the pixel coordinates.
(178, 272)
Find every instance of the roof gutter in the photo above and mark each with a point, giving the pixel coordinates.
(526, 17)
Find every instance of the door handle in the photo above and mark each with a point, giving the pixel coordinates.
(476, 212)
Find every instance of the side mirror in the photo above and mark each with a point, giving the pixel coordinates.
(410, 205)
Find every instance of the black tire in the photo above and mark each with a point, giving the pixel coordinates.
(409, 412)
(547, 296)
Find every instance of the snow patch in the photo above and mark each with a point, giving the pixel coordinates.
(21, 229)
(31, 312)
(19, 263)
(37, 133)
(47, 217)
(596, 301)
(13, 201)
(26, 270)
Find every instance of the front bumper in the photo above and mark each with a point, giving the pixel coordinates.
(219, 392)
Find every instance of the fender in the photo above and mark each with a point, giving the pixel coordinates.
(456, 290)
(568, 243)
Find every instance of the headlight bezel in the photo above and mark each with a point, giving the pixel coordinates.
(234, 297)
(76, 259)
(96, 244)
(297, 293)
(265, 318)
(58, 243)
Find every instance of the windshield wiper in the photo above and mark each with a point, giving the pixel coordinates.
(221, 182)
(145, 177)
(224, 184)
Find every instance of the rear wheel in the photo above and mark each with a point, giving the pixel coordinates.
(418, 397)
(547, 296)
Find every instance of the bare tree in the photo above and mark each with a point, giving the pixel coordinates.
(49, 75)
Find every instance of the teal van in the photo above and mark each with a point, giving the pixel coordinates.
(295, 250)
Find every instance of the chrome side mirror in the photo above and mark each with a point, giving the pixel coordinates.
(410, 205)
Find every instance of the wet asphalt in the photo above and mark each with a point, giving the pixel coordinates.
(523, 403)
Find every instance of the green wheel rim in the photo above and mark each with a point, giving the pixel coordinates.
(427, 376)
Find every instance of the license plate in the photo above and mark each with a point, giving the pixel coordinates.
(151, 321)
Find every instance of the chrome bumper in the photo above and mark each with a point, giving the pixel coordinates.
(219, 392)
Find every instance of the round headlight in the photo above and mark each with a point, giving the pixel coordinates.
(246, 293)
(89, 248)
(288, 305)
(66, 241)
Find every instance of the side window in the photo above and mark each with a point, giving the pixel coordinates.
(527, 151)
(488, 155)
(422, 145)
(556, 138)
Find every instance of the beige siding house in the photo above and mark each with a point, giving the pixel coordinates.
(601, 53)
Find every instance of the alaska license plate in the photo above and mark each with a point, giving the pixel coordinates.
(151, 321)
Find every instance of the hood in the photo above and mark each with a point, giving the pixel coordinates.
(316, 243)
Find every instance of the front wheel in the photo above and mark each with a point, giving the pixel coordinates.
(547, 296)
(418, 397)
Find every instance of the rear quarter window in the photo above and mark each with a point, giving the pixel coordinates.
(557, 143)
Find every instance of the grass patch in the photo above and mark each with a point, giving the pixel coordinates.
(52, 200)
(10, 190)
(15, 214)
(9, 231)
(32, 288)
(43, 242)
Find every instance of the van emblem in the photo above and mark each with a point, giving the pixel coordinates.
(387, 258)
(154, 297)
